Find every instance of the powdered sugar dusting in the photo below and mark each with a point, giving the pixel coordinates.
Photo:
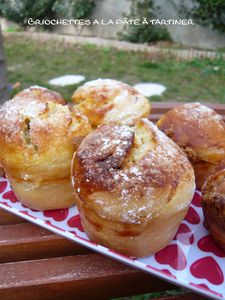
(35, 87)
(127, 107)
(99, 82)
(32, 109)
(14, 113)
(111, 101)
(200, 113)
(199, 130)
(134, 191)
(30, 122)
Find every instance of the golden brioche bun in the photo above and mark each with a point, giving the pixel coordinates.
(1, 172)
(41, 94)
(106, 101)
(213, 204)
(37, 142)
(200, 132)
(132, 187)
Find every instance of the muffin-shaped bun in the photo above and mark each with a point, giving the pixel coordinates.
(106, 101)
(200, 132)
(36, 142)
(213, 203)
(41, 94)
(133, 187)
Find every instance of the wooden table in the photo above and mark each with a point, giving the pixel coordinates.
(37, 264)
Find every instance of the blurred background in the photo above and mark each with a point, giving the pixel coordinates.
(165, 62)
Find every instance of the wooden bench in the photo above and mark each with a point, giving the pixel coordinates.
(37, 264)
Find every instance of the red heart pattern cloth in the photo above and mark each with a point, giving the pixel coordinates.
(191, 260)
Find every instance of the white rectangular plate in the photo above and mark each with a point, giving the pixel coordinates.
(191, 260)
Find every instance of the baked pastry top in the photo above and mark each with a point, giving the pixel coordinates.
(38, 136)
(106, 101)
(140, 167)
(133, 186)
(199, 129)
(200, 132)
(40, 93)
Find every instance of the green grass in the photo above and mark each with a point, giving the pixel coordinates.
(154, 295)
(31, 62)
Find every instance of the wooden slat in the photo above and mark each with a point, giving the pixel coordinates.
(8, 218)
(89, 276)
(27, 241)
(218, 107)
(162, 107)
(155, 117)
(158, 109)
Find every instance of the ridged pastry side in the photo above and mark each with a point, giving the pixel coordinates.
(37, 142)
(106, 101)
(133, 186)
(200, 132)
(213, 204)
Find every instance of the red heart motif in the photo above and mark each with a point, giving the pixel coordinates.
(168, 273)
(73, 232)
(192, 217)
(207, 244)
(197, 200)
(10, 196)
(75, 221)
(34, 210)
(184, 235)
(205, 287)
(6, 204)
(58, 214)
(163, 271)
(173, 256)
(27, 214)
(3, 186)
(207, 268)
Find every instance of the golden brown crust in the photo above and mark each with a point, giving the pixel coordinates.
(31, 125)
(213, 204)
(41, 94)
(124, 178)
(44, 194)
(106, 101)
(1, 172)
(37, 142)
(203, 169)
(200, 132)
